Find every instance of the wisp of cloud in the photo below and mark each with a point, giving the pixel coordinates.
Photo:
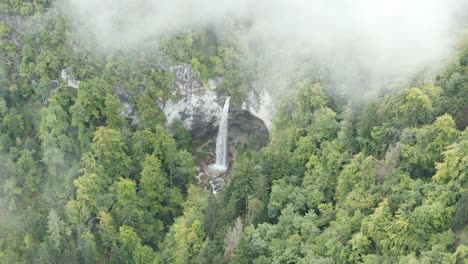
(386, 38)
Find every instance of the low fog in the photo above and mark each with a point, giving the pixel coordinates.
(385, 40)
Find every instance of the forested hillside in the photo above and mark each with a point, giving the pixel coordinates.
(340, 181)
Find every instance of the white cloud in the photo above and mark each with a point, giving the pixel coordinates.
(384, 37)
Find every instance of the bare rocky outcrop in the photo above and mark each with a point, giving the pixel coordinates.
(199, 106)
(195, 105)
(69, 80)
(260, 104)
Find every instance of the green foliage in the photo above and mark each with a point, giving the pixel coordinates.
(55, 229)
(181, 134)
(153, 184)
(397, 199)
(112, 112)
(454, 83)
(454, 169)
(421, 147)
(185, 238)
(385, 181)
(416, 108)
(82, 184)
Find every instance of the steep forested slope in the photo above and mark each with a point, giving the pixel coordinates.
(385, 181)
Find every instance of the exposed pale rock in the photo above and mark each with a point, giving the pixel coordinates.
(260, 104)
(69, 80)
(198, 107)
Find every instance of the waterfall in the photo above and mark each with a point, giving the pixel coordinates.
(221, 140)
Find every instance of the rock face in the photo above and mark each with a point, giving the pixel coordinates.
(68, 79)
(260, 104)
(199, 107)
(246, 129)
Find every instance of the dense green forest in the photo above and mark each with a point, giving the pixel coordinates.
(384, 181)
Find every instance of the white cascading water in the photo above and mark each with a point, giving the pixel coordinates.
(221, 140)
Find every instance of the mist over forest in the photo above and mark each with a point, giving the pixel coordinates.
(178, 131)
(365, 43)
